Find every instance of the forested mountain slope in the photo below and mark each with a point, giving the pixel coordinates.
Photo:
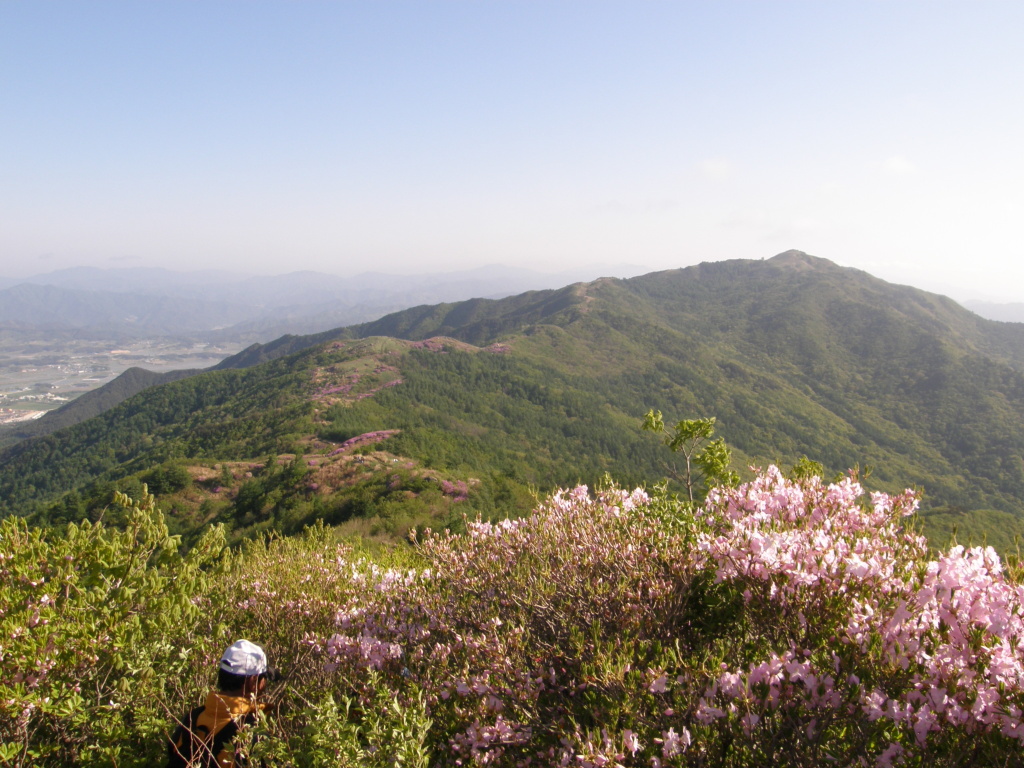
(793, 355)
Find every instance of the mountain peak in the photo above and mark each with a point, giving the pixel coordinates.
(798, 259)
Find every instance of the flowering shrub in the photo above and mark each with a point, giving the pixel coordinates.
(788, 622)
(867, 628)
(783, 621)
(458, 490)
(501, 666)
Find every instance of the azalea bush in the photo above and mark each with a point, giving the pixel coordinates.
(287, 594)
(783, 621)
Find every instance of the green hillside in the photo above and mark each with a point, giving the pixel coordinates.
(793, 355)
(509, 426)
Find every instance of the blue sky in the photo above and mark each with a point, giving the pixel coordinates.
(430, 136)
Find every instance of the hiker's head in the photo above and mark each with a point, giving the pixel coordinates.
(243, 669)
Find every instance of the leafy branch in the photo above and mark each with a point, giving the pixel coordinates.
(707, 460)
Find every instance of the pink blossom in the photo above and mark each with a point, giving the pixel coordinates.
(659, 684)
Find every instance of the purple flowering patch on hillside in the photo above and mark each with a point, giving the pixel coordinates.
(457, 490)
(433, 345)
(372, 392)
(367, 438)
(340, 389)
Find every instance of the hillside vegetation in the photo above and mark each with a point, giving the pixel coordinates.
(783, 622)
(793, 355)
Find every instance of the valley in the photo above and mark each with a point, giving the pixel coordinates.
(38, 374)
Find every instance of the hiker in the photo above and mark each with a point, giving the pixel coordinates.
(204, 738)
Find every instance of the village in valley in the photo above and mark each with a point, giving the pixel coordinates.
(37, 376)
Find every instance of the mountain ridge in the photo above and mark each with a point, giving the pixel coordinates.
(220, 305)
(794, 355)
(480, 320)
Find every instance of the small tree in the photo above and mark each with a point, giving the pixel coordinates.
(805, 469)
(707, 460)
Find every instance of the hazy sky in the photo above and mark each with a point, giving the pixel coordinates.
(427, 136)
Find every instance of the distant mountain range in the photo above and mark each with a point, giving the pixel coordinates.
(29, 307)
(793, 355)
(1006, 312)
(218, 306)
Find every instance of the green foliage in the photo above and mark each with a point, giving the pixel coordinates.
(707, 460)
(113, 633)
(947, 526)
(510, 416)
(167, 478)
(805, 469)
(230, 413)
(102, 626)
(381, 732)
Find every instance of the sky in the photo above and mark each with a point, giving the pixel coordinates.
(426, 136)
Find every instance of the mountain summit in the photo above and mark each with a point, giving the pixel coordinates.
(800, 260)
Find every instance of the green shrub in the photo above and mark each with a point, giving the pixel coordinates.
(100, 628)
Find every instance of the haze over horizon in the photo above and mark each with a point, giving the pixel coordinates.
(395, 137)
